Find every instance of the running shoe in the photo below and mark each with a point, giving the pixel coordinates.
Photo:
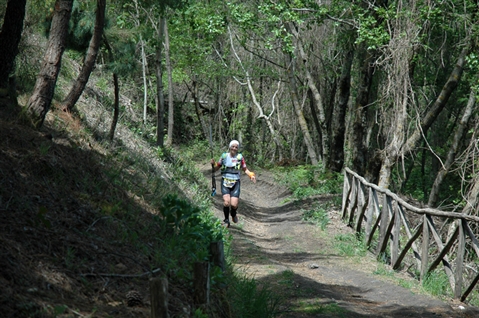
(235, 219)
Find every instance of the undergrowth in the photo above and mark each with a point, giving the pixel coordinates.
(307, 180)
(350, 245)
(318, 214)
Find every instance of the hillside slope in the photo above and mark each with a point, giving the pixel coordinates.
(57, 225)
(78, 229)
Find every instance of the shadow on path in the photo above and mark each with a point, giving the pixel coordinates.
(274, 245)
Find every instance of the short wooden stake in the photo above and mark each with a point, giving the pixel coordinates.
(159, 297)
(201, 282)
(217, 254)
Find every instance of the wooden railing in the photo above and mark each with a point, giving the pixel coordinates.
(384, 218)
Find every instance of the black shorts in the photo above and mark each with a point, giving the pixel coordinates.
(234, 191)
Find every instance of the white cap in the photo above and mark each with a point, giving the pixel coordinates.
(234, 142)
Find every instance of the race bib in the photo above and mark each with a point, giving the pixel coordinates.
(229, 183)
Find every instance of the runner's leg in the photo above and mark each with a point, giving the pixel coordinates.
(234, 207)
(226, 202)
(226, 207)
(235, 201)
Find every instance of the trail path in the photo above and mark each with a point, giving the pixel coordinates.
(272, 243)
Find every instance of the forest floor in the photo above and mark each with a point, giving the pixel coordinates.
(298, 261)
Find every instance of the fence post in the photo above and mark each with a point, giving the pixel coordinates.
(383, 226)
(159, 297)
(460, 260)
(217, 254)
(346, 190)
(424, 248)
(363, 203)
(395, 232)
(201, 282)
(353, 201)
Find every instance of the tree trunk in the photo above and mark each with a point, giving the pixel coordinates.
(402, 52)
(145, 86)
(196, 100)
(116, 111)
(318, 100)
(451, 156)
(338, 130)
(116, 102)
(472, 196)
(169, 71)
(41, 99)
(396, 145)
(90, 59)
(272, 131)
(439, 104)
(317, 125)
(299, 112)
(160, 101)
(144, 64)
(397, 91)
(257, 102)
(10, 38)
(359, 149)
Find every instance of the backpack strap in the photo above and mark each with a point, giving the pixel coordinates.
(236, 169)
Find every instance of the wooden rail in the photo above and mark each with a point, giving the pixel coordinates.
(385, 218)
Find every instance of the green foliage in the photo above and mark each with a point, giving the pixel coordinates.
(252, 300)
(473, 298)
(371, 31)
(306, 180)
(189, 232)
(326, 310)
(188, 220)
(185, 173)
(39, 11)
(386, 271)
(199, 150)
(318, 214)
(125, 62)
(82, 23)
(199, 314)
(102, 84)
(437, 283)
(287, 278)
(383, 270)
(146, 131)
(60, 309)
(350, 245)
(193, 31)
(164, 4)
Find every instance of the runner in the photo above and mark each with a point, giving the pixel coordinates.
(231, 164)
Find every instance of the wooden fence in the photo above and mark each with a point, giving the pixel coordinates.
(384, 218)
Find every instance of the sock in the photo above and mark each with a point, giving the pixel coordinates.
(233, 211)
(226, 211)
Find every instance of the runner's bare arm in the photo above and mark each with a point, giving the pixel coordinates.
(215, 164)
(250, 174)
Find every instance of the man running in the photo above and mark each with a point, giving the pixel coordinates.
(231, 164)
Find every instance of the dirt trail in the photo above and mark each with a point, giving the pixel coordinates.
(274, 245)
